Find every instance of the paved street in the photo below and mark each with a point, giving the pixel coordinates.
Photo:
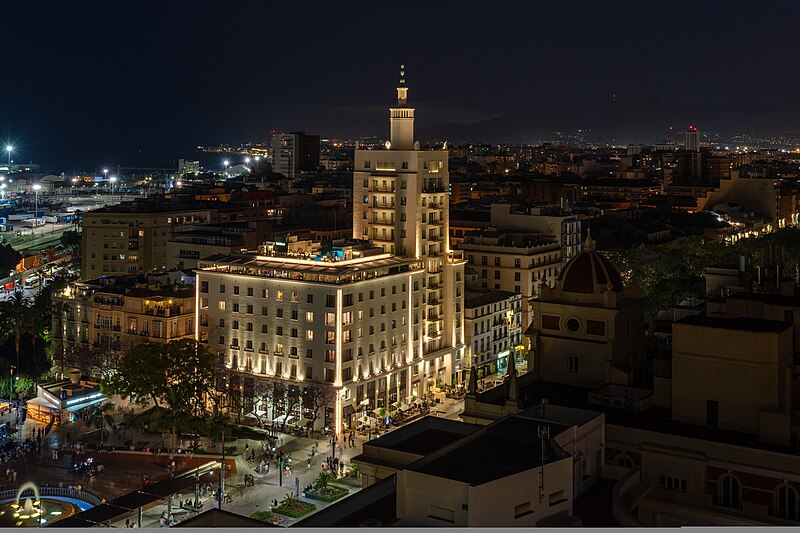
(124, 469)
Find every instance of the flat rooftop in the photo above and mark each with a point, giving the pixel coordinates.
(656, 419)
(479, 299)
(757, 325)
(319, 271)
(425, 436)
(504, 448)
(770, 299)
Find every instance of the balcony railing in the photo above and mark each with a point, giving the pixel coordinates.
(164, 311)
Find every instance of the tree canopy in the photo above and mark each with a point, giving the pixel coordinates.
(178, 374)
(671, 272)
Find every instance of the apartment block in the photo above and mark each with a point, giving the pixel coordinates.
(102, 313)
(352, 318)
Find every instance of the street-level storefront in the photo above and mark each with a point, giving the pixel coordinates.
(65, 401)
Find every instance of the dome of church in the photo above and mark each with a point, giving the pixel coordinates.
(590, 272)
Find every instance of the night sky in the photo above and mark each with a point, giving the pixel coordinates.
(88, 84)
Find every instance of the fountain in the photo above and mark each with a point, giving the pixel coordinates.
(35, 511)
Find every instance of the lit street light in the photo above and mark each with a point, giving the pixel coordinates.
(247, 160)
(9, 149)
(74, 183)
(113, 180)
(36, 189)
(226, 163)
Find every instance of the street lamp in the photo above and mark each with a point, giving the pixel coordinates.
(226, 163)
(247, 160)
(3, 191)
(113, 180)
(9, 149)
(36, 188)
(105, 173)
(74, 182)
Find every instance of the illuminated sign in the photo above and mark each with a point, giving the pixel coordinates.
(85, 398)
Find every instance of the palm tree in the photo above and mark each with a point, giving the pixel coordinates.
(131, 423)
(17, 311)
(101, 417)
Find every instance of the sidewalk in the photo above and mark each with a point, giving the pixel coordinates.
(248, 500)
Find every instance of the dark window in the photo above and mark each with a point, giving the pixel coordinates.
(730, 492)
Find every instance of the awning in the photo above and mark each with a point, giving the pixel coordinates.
(134, 500)
(348, 410)
(43, 403)
(102, 513)
(88, 403)
(167, 487)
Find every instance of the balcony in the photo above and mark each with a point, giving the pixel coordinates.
(381, 222)
(175, 310)
(107, 303)
(108, 327)
(455, 256)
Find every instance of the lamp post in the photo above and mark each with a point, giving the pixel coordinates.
(11, 387)
(113, 180)
(280, 470)
(222, 474)
(226, 163)
(74, 183)
(36, 189)
(9, 149)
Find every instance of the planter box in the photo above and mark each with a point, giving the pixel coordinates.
(350, 482)
(333, 493)
(300, 508)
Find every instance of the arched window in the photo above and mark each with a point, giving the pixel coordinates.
(730, 492)
(786, 504)
(623, 460)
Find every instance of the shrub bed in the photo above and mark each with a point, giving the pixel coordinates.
(330, 493)
(268, 517)
(294, 508)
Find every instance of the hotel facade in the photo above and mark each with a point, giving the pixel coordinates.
(379, 318)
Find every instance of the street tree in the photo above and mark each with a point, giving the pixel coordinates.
(317, 397)
(141, 374)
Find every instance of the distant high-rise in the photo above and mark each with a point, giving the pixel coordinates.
(188, 166)
(692, 139)
(293, 152)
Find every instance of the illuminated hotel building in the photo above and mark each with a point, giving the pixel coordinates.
(380, 318)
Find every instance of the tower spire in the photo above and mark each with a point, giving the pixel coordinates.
(402, 90)
(513, 386)
(401, 117)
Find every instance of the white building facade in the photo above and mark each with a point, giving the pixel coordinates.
(400, 203)
(379, 322)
